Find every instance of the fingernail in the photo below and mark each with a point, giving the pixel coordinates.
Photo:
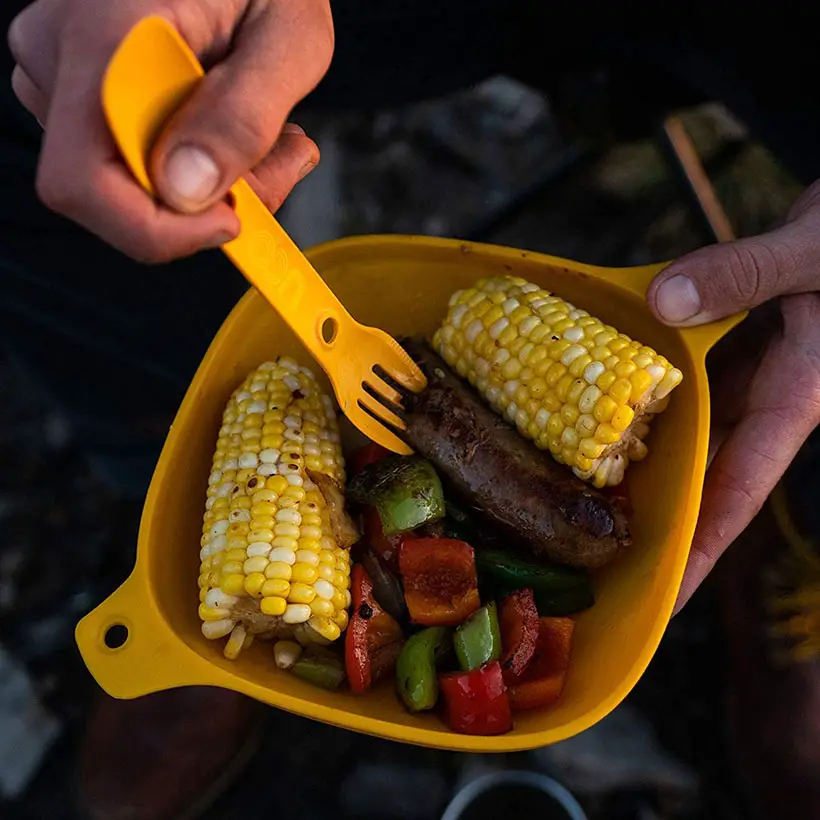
(678, 299)
(219, 240)
(293, 128)
(192, 174)
(306, 169)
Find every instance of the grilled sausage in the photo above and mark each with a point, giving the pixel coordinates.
(521, 491)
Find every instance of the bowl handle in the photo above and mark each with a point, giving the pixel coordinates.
(700, 340)
(131, 651)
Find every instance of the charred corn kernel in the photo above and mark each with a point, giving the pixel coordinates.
(568, 382)
(266, 529)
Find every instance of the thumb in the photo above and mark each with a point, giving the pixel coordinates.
(717, 281)
(238, 112)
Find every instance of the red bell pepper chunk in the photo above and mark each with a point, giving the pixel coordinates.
(476, 703)
(440, 580)
(373, 639)
(387, 546)
(543, 680)
(518, 620)
(369, 454)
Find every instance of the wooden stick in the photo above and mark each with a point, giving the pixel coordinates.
(697, 179)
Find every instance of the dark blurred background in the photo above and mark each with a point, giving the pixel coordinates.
(499, 163)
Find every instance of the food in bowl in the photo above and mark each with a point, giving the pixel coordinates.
(476, 551)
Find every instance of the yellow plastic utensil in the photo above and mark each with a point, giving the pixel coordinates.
(151, 74)
(403, 284)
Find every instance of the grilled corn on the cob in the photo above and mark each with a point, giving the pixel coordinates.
(271, 559)
(570, 383)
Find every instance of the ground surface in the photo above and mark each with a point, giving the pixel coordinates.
(452, 168)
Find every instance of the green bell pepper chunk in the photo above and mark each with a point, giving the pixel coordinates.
(406, 492)
(558, 590)
(321, 668)
(416, 677)
(478, 640)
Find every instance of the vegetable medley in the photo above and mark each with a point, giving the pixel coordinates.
(455, 573)
(467, 633)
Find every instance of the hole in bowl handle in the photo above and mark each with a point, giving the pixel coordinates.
(130, 649)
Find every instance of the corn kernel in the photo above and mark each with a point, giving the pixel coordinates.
(583, 463)
(320, 606)
(579, 365)
(207, 613)
(325, 627)
(576, 391)
(301, 593)
(607, 434)
(277, 484)
(339, 599)
(623, 418)
(254, 583)
(235, 643)
(276, 588)
(563, 387)
(273, 605)
(304, 573)
(586, 425)
(591, 449)
(233, 584)
(606, 380)
(569, 414)
(640, 383)
(621, 390)
(605, 408)
(278, 569)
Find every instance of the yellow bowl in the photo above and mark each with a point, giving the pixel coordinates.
(402, 284)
